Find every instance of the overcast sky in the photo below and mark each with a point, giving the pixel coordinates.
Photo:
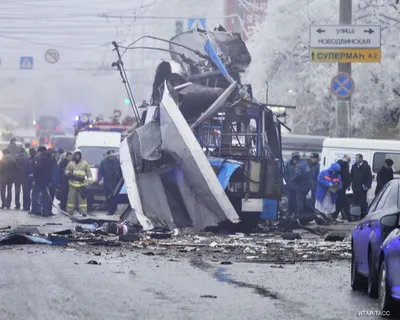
(81, 31)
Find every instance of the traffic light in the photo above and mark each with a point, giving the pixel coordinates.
(127, 101)
(178, 27)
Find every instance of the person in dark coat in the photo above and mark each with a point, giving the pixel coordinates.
(342, 203)
(42, 175)
(384, 175)
(54, 175)
(290, 172)
(361, 181)
(62, 183)
(314, 165)
(119, 196)
(109, 173)
(21, 180)
(29, 177)
(13, 148)
(8, 171)
(303, 185)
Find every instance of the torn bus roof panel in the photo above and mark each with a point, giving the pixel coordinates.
(229, 46)
(132, 187)
(185, 194)
(179, 140)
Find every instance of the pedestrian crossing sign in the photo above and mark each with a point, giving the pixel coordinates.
(26, 63)
(199, 23)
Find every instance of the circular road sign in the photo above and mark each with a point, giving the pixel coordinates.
(342, 85)
(52, 56)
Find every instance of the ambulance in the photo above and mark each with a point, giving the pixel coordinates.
(94, 139)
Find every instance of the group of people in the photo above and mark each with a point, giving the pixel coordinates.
(327, 189)
(301, 178)
(45, 174)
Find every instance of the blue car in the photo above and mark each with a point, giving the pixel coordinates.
(373, 252)
(389, 275)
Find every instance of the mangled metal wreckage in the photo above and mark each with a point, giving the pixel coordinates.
(204, 146)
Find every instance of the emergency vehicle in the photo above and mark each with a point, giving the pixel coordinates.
(94, 137)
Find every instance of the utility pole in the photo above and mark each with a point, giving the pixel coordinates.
(343, 110)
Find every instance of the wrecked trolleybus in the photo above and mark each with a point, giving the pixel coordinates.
(204, 151)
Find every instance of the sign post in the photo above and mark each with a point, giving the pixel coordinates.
(52, 56)
(342, 86)
(197, 23)
(345, 44)
(26, 63)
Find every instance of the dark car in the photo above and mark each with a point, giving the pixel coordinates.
(64, 142)
(368, 238)
(47, 126)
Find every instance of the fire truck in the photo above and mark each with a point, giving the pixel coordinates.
(94, 137)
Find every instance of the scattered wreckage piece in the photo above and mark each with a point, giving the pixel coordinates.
(266, 261)
(18, 238)
(336, 236)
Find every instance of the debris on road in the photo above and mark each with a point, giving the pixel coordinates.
(16, 238)
(274, 246)
(94, 262)
(335, 236)
(208, 296)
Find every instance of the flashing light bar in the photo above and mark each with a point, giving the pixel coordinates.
(107, 129)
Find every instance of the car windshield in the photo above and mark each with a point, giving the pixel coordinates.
(94, 155)
(68, 144)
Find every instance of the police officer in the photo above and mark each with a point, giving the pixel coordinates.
(314, 165)
(42, 175)
(8, 171)
(62, 183)
(76, 171)
(303, 186)
(290, 172)
(110, 173)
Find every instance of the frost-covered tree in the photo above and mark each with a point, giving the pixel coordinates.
(280, 52)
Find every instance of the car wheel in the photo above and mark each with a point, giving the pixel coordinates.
(372, 279)
(357, 280)
(386, 303)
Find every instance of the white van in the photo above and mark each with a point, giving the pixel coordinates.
(375, 152)
(94, 146)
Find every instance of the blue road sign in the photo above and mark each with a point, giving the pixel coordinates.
(26, 63)
(342, 86)
(197, 22)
